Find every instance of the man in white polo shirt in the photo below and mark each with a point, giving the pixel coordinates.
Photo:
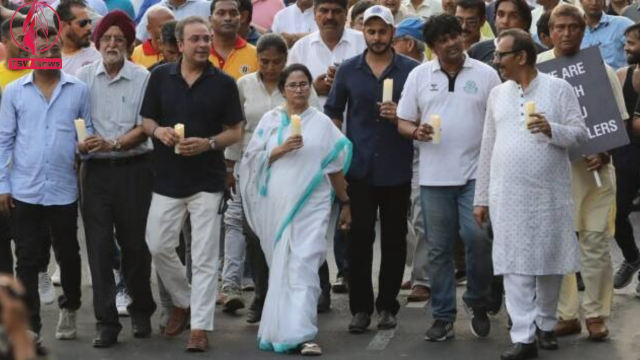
(456, 88)
(323, 50)
(295, 21)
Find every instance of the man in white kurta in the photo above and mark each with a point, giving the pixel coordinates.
(524, 180)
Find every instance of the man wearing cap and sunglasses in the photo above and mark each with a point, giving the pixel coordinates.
(380, 176)
(75, 34)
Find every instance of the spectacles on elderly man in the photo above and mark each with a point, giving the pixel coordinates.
(500, 55)
(119, 40)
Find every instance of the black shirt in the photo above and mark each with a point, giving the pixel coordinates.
(381, 155)
(631, 102)
(211, 102)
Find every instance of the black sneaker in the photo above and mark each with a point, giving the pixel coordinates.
(625, 273)
(439, 331)
(341, 286)
(480, 323)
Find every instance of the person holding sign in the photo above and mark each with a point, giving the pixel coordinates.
(594, 205)
(37, 131)
(524, 181)
(192, 181)
(454, 87)
(380, 179)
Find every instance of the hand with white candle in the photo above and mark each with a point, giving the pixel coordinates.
(296, 125)
(387, 90)
(436, 124)
(539, 125)
(166, 135)
(179, 130)
(529, 108)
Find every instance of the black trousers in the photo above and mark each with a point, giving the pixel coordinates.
(393, 204)
(6, 254)
(627, 163)
(28, 225)
(118, 196)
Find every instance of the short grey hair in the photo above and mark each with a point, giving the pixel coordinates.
(420, 46)
(187, 21)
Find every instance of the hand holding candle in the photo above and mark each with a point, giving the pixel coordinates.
(436, 123)
(296, 125)
(179, 129)
(387, 90)
(529, 108)
(81, 129)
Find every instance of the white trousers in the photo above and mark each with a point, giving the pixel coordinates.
(166, 218)
(531, 301)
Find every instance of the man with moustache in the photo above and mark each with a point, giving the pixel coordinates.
(121, 204)
(148, 53)
(594, 206)
(75, 34)
(471, 14)
(230, 52)
(380, 178)
(190, 174)
(524, 180)
(37, 131)
(627, 165)
(12, 51)
(397, 9)
(456, 88)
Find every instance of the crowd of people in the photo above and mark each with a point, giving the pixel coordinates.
(233, 139)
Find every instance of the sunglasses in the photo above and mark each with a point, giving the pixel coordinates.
(84, 23)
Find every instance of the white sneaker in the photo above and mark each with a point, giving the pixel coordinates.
(45, 289)
(122, 301)
(66, 329)
(55, 278)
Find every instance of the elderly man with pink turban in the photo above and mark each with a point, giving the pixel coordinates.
(117, 184)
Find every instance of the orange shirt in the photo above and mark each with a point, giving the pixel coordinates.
(145, 55)
(241, 61)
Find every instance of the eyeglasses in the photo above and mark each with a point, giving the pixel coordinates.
(561, 28)
(500, 55)
(196, 39)
(119, 40)
(85, 22)
(294, 87)
(470, 22)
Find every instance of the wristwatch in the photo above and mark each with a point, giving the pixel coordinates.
(117, 145)
(212, 143)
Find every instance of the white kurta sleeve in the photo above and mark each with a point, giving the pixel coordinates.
(486, 151)
(570, 130)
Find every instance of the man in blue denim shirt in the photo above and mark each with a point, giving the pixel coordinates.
(38, 183)
(380, 176)
(605, 31)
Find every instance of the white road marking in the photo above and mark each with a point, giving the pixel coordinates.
(381, 340)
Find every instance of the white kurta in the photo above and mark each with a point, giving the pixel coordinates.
(525, 179)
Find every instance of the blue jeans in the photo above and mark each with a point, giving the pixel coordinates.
(448, 212)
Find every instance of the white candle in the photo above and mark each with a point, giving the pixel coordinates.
(436, 123)
(529, 108)
(81, 129)
(296, 125)
(596, 176)
(387, 90)
(179, 129)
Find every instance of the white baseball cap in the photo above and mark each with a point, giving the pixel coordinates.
(381, 12)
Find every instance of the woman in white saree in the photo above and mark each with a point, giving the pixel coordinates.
(288, 186)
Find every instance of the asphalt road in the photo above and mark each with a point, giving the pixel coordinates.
(235, 339)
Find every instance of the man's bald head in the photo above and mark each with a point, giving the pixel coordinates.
(156, 17)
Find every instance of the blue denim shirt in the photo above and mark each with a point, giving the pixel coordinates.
(38, 140)
(380, 154)
(608, 35)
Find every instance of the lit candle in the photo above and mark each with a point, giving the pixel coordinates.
(436, 123)
(296, 125)
(387, 90)
(529, 108)
(179, 129)
(81, 129)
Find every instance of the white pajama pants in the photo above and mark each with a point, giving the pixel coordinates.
(531, 301)
(166, 218)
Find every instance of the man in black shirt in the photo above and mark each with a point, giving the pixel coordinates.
(190, 173)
